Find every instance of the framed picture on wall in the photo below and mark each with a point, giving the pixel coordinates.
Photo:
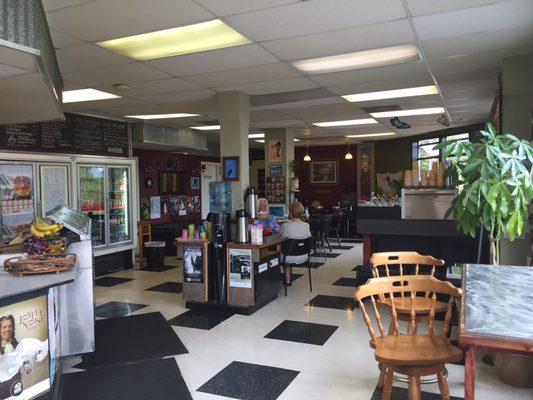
(276, 170)
(324, 172)
(274, 150)
(195, 183)
(230, 168)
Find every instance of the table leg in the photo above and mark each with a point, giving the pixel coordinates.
(470, 372)
(367, 249)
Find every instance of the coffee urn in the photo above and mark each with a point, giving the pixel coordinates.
(241, 223)
(251, 202)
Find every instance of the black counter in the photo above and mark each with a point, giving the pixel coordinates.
(410, 227)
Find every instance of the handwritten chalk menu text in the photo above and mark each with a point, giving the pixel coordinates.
(78, 134)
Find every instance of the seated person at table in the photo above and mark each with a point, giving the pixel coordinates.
(295, 229)
(268, 221)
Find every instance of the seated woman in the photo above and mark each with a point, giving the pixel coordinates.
(295, 229)
(268, 221)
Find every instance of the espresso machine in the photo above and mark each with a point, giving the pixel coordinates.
(220, 225)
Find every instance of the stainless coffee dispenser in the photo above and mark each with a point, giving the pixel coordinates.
(241, 223)
(251, 202)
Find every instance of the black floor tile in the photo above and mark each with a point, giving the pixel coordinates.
(337, 302)
(168, 287)
(294, 276)
(350, 282)
(154, 380)
(341, 247)
(109, 281)
(356, 268)
(115, 309)
(328, 254)
(312, 264)
(159, 268)
(302, 332)
(132, 339)
(200, 319)
(401, 394)
(245, 381)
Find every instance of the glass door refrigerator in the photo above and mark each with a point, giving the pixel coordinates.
(17, 193)
(105, 196)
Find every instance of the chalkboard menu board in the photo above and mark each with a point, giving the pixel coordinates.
(78, 134)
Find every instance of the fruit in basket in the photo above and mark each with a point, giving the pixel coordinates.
(46, 246)
(41, 229)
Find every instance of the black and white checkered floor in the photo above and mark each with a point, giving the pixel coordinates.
(303, 346)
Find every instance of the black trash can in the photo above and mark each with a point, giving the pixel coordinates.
(155, 254)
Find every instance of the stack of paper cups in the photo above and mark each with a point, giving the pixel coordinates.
(407, 178)
(423, 178)
(414, 174)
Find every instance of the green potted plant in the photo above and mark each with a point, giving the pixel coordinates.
(494, 175)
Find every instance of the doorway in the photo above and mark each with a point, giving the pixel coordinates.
(211, 172)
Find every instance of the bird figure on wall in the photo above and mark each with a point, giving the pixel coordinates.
(394, 185)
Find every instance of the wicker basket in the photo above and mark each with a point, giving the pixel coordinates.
(39, 264)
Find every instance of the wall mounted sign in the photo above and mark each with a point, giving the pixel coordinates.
(276, 170)
(230, 168)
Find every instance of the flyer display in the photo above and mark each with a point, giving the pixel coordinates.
(240, 268)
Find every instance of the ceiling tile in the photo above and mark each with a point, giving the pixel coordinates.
(307, 17)
(51, 5)
(61, 40)
(423, 79)
(134, 109)
(342, 41)
(153, 87)
(207, 107)
(9, 70)
(277, 124)
(479, 42)
(509, 14)
(104, 19)
(125, 73)
(267, 115)
(279, 86)
(327, 112)
(228, 7)
(401, 71)
(424, 7)
(189, 95)
(259, 73)
(216, 60)
(87, 56)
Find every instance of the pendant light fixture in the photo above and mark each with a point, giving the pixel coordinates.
(307, 156)
(348, 155)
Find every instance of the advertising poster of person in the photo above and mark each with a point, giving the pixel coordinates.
(240, 268)
(24, 361)
(155, 207)
(274, 150)
(193, 264)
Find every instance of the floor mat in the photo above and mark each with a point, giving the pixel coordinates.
(131, 339)
(154, 380)
(200, 319)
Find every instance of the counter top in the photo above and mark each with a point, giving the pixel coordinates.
(13, 285)
(408, 227)
(267, 242)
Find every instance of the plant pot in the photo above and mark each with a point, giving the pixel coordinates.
(514, 369)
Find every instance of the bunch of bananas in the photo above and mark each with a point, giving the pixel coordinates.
(41, 229)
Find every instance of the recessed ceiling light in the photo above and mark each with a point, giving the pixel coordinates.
(74, 96)
(359, 59)
(162, 116)
(371, 134)
(297, 140)
(207, 127)
(362, 121)
(407, 113)
(260, 140)
(187, 39)
(256, 135)
(392, 94)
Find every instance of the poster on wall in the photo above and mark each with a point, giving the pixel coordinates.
(24, 359)
(155, 207)
(390, 184)
(324, 172)
(145, 208)
(193, 264)
(240, 268)
(54, 187)
(274, 150)
(366, 171)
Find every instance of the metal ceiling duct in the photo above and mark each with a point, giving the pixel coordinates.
(158, 137)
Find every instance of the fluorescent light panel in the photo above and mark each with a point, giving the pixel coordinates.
(207, 127)
(362, 121)
(162, 116)
(297, 140)
(259, 140)
(362, 135)
(187, 39)
(408, 113)
(75, 96)
(256, 135)
(359, 59)
(392, 94)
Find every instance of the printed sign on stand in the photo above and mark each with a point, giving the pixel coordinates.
(240, 268)
(193, 264)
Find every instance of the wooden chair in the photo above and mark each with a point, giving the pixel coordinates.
(411, 354)
(405, 263)
(144, 229)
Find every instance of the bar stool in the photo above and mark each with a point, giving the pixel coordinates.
(144, 229)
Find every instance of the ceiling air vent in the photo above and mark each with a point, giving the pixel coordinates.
(167, 138)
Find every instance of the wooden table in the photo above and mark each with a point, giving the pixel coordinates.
(496, 313)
